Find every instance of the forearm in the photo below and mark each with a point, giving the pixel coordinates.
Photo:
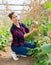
(27, 34)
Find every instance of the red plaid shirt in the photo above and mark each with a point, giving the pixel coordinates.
(18, 34)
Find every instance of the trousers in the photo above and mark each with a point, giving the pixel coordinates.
(22, 50)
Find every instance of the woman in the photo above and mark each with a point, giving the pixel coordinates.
(19, 32)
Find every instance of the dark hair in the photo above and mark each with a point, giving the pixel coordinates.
(10, 15)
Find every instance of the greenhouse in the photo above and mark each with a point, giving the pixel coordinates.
(25, 32)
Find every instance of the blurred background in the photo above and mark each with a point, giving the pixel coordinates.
(38, 11)
(22, 7)
(27, 10)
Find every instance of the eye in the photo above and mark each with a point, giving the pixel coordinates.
(13, 17)
(16, 16)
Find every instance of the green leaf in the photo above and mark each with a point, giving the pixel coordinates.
(43, 62)
(49, 61)
(46, 48)
(48, 5)
(48, 25)
(29, 51)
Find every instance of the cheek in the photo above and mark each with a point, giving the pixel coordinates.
(13, 19)
(16, 18)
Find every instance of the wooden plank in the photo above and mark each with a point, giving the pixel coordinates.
(12, 10)
(16, 4)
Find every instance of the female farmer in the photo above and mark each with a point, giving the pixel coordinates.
(19, 32)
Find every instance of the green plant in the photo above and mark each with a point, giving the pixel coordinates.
(4, 38)
(42, 40)
(48, 5)
(41, 54)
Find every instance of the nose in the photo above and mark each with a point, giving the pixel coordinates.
(15, 17)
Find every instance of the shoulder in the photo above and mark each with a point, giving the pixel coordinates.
(12, 27)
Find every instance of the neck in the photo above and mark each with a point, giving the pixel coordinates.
(17, 24)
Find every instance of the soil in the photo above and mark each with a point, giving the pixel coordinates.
(6, 59)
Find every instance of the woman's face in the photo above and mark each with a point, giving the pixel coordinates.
(14, 17)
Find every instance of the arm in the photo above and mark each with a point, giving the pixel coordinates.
(25, 27)
(27, 34)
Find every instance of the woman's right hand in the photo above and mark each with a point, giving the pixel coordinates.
(35, 23)
(35, 29)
